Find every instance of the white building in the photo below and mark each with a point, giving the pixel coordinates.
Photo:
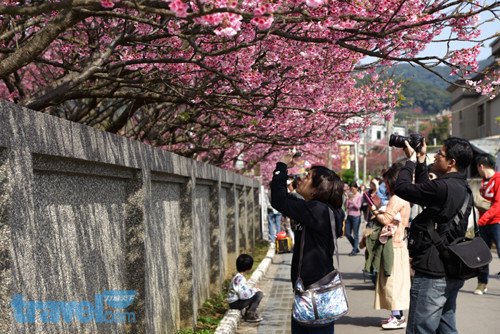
(377, 133)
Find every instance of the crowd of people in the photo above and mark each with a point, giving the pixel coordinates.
(394, 212)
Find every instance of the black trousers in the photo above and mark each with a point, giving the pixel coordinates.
(251, 303)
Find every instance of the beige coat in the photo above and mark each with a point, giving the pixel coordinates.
(393, 292)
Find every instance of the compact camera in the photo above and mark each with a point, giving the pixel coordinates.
(415, 140)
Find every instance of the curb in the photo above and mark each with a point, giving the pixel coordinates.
(229, 324)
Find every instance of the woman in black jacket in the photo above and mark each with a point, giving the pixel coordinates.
(321, 189)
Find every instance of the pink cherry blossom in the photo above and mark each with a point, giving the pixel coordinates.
(225, 31)
(107, 3)
(314, 3)
(179, 8)
(262, 22)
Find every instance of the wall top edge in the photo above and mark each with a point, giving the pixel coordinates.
(38, 133)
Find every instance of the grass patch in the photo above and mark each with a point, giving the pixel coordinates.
(213, 310)
(259, 253)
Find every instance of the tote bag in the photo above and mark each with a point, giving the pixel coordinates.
(324, 301)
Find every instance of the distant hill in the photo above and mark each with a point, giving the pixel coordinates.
(416, 73)
(424, 97)
(424, 91)
(408, 72)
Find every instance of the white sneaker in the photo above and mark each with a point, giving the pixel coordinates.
(385, 321)
(395, 323)
(481, 289)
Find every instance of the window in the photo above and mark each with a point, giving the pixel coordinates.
(460, 115)
(379, 135)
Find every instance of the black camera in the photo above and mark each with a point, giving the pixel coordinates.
(415, 140)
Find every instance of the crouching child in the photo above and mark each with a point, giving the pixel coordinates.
(242, 295)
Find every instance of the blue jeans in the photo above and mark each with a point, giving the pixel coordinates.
(433, 302)
(274, 225)
(352, 231)
(299, 329)
(490, 235)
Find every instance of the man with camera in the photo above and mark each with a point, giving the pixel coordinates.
(432, 295)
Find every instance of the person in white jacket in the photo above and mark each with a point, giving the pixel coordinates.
(242, 294)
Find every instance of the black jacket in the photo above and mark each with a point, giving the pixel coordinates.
(442, 199)
(314, 218)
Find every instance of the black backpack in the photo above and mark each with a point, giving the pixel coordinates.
(462, 257)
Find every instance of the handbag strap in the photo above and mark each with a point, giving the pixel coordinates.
(332, 223)
(436, 239)
(302, 241)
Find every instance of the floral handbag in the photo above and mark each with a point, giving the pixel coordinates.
(324, 301)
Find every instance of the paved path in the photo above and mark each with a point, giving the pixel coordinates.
(475, 314)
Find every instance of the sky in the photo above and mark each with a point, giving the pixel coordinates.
(487, 30)
(439, 49)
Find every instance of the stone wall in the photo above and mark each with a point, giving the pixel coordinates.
(90, 219)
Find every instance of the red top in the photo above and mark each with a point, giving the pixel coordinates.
(490, 190)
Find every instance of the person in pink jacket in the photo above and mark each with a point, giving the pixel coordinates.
(489, 223)
(353, 220)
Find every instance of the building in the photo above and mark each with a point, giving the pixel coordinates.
(377, 133)
(476, 116)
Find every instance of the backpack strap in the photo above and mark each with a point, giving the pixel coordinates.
(435, 237)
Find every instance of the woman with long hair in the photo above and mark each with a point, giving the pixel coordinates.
(321, 189)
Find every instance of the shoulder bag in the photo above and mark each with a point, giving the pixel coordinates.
(463, 258)
(324, 301)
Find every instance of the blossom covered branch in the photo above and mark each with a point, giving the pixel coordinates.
(213, 79)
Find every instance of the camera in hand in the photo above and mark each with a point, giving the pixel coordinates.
(292, 180)
(415, 140)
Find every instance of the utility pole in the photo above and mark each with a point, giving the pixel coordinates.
(329, 157)
(389, 125)
(356, 162)
(364, 159)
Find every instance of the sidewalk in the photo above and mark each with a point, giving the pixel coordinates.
(475, 314)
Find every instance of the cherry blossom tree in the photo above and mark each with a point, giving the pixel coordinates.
(225, 80)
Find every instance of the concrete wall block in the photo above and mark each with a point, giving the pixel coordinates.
(163, 251)
(135, 257)
(187, 303)
(244, 246)
(5, 246)
(252, 223)
(215, 222)
(201, 246)
(232, 228)
(223, 227)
